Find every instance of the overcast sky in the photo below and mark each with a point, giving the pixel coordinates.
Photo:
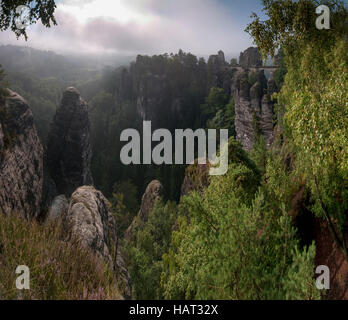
(129, 27)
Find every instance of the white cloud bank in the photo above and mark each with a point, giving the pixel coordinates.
(131, 27)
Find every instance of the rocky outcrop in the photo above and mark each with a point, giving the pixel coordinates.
(219, 74)
(90, 220)
(250, 58)
(2, 142)
(217, 60)
(253, 104)
(69, 150)
(21, 159)
(152, 194)
(266, 124)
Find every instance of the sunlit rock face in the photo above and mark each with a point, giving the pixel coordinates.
(21, 159)
(69, 150)
(91, 221)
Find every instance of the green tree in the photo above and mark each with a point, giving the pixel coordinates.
(234, 245)
(315, 95)
(233, 62)
(42, 10)
(125, 204)
(224, 119)
(215, 101)
(144, 256)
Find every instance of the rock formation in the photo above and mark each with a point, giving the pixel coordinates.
(21, 159)
(250, 58)
(253, 104)
(91, 221)
(248, 85)
(58, 208)
(22, 178)
(69, 150)
(152, 194)
(218, 72)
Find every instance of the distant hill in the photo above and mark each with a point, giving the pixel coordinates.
(45, 64)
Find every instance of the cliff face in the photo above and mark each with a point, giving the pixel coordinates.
(252, 96)
(250, 58)
(21, 159)
(69, 151)
(253, 106)
(251, 90)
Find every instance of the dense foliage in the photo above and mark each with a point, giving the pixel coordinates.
(144, 254)
(40, 10)
(314, 99)
(237, 244)
(240, 238)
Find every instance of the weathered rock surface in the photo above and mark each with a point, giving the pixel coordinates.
(218, 73)
(328, 254)
(69, 151)
(247, 84)
(152, 194)
(21, 154)
(253, 104)
(58, 208)
(91, 221)
(250, 58)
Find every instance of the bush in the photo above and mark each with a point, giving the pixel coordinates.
(234, 248)
(144, 256)
(58, 270)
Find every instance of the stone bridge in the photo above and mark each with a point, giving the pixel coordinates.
(270, 69)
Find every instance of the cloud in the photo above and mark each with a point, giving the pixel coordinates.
(141, 26)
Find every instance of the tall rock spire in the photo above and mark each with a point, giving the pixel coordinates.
(69, 150)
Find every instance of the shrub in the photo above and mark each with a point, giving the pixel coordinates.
(234, 248)
(144, 256)
(59, 270)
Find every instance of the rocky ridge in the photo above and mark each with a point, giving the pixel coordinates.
(21, 159)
